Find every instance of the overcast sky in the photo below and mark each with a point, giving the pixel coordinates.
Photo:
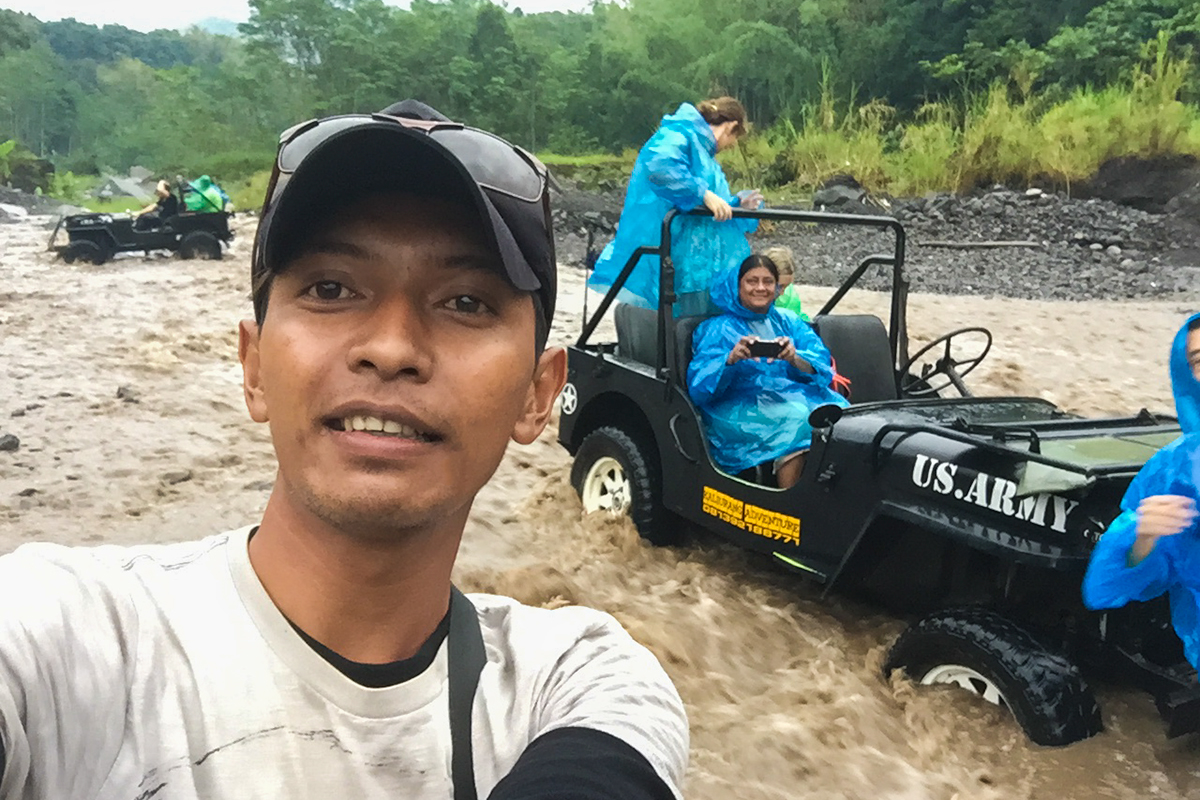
(145, 15)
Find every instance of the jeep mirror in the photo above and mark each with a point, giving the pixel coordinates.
(824, 416)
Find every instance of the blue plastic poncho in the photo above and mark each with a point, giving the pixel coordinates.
(756, 410)
(673, 170)
(1174, 564)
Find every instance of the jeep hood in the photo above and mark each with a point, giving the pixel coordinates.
(1133, 449)
(1120, 448)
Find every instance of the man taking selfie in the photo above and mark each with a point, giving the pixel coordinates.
(403, 287)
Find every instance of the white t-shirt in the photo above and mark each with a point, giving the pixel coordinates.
(166, 671)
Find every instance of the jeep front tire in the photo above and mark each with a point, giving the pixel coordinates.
(615, 472)
(87, 251)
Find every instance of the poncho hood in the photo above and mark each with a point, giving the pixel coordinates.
(725, 295)
(1184, 383)
(688, 121)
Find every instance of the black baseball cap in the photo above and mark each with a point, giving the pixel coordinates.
(323, 165)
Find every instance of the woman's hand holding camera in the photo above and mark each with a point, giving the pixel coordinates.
(741, 350)
(770, 349)
(790, 355)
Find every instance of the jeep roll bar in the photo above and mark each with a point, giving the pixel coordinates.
(897, 327)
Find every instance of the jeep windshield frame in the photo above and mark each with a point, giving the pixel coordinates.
(665, 350)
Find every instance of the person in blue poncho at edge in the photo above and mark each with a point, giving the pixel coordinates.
(677, 168)
(1153, 546)
(755, 409)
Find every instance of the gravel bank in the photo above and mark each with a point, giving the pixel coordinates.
(1077, 249)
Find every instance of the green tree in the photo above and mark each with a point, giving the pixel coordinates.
(298, 30)
(746, 66)
(37, 99)
(17, 31)
(74, 40)
(1112, 37)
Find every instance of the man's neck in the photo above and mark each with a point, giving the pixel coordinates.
(369, 600)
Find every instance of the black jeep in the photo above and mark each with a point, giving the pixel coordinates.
(978, 512)
(96, 238)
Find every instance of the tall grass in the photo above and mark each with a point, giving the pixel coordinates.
(248, 194)
(989, 137)
(72, 188)
(1142, 117)
(602, 171)
(927, 157)
(837, 138)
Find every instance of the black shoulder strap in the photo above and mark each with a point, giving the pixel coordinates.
(466, 657)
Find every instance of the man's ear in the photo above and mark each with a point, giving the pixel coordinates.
(548, 381)
(248, 341)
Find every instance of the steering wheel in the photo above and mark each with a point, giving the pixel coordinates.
(947, 365)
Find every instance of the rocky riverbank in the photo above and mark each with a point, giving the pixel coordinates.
(1022, 244)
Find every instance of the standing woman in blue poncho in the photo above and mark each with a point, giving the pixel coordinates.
(755, 410)
(677, 168)
(1153, 546)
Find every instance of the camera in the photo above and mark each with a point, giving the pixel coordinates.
(767, 349)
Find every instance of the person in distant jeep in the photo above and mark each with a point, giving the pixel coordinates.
(1153, 547)
(158, 212)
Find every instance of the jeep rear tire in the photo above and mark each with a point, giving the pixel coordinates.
(994, 658)
(615, 471)
(200, 244)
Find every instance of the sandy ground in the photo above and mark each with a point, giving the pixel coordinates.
(122, 383)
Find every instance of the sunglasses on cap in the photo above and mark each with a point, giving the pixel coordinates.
(493, 163)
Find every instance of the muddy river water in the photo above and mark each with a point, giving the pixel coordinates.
(122, 384)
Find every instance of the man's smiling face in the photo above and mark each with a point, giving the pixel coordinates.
(394, 364)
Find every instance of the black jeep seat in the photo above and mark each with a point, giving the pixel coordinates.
(859, 344)
(685, 327)
(637, 329)
(637, 332)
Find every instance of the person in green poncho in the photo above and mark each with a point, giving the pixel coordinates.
(203, 194)
(789, 296)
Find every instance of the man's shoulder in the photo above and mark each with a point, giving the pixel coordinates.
(580, 669)
(102, 563)
(61, 592)
(534, 634)
(497, 612)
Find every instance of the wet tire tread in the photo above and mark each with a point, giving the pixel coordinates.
(200, 244)
(1044, 690)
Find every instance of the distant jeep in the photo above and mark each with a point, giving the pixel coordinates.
(95, 238)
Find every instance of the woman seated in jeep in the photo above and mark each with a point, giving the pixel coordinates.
(757, 373)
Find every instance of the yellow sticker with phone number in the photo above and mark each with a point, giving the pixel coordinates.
(756, 520)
